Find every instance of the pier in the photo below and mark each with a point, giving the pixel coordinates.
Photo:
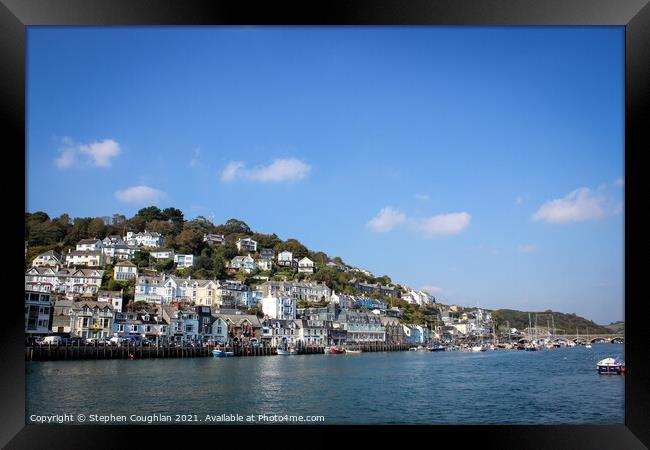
(81, 352)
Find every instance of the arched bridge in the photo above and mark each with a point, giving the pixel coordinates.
(592, 338)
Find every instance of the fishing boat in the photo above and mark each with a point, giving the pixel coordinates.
(333, 350)
(219, 353)
(437, 348)
(611, 366)
(287, 351)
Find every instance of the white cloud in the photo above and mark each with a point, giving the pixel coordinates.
(431, 289)
(620, 182)
(67, 158)
(140, 195)
(280, 170)
(386, 220)
(579, 205)
(422, 197)
(231, 170)
(96, 154)
(519, 200)
(441, 224)
(527, 248)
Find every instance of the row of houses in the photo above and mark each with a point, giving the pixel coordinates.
(101, 318)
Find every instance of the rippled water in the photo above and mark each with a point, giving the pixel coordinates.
(559, 386)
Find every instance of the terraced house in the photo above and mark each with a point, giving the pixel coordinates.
(124, 271)
(88, 258)
(313, 292)
(48, 259)
(91, 319)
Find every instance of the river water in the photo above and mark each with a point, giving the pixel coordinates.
(557, 386)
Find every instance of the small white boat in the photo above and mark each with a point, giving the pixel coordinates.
(353, 352)
(478, 348)
(588, 346)
(287, 352)
(611, 366)
(413, 349)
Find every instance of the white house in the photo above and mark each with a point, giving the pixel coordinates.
(265, 264)
(151, 289)
(182, 261)
(245, 263)
(183, 323)
(145, 239)
(285, 259)
(279, 307)
(84, 282)
(305, 265)
(214, 239)
(89, 245)
(88, 258)
(162, 254)
(48, 259)
(246, 245)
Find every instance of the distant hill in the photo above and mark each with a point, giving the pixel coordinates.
(564, 323)
(617, 327)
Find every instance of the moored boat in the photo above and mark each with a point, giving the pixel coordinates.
(218, 353)
(334, 350)
(353, 352)
(611, 366)
(287, 351)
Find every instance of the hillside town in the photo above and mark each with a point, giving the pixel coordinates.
(266, 298)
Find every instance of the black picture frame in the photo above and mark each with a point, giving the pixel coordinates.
(634, 15)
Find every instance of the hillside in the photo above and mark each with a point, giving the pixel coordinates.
(617, 327)
(564, 323)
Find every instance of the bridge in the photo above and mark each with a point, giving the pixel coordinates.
(592, 338)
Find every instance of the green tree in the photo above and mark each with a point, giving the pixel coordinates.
(142, 258)
(136, 224)
(190, 241)
(174, 215)
(96, 228)
(164, 265)
(233, 226)
(294, 246)
(150, 213)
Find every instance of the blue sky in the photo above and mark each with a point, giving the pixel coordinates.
(485, 164)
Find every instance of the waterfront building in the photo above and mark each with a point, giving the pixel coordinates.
(195, 291)
(281, 333)
(182, 261)
(239, 327)
(281, 307)
(112, 297)
(91, 319)
(89, 245)
(88, 258)
(183, 323)
(245, 263)
(394, 330)
(145, 239)
(61, 316)
(305, 265)
(204, 316)
(39, 312)
(140, 324)
(214, 239)
(246, 245)
(48, 259)
(315, 332)
(124, 271)
(362, 326)
(337, 335)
